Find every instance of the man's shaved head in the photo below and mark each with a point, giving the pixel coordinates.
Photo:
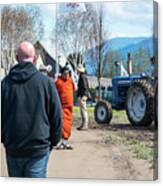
(26, 52)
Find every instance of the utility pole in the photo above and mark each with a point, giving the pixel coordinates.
(129, 64)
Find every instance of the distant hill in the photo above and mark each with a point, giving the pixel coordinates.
(146, 45)
(132, 45)
(122, 42)
(123, 46)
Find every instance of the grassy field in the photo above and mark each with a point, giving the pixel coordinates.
(139, 141)
(117, 115)
(141, 149)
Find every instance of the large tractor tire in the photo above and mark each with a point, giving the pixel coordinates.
(140, 103)
(103, 112)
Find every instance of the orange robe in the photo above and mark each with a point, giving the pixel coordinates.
(65, 91)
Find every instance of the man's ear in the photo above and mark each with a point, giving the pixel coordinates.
(34, 60)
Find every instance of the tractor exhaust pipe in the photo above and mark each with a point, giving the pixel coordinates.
(129, 64)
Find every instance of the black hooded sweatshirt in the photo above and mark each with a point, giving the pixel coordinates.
(30, 111)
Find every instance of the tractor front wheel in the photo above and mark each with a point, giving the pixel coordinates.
(140, 103)
(103, 112)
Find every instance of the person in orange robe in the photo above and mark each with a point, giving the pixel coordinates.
(66, 88)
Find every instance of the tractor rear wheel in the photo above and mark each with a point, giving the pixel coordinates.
(140, 103)
(103, 112)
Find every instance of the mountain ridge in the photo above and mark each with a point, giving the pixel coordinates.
(122, 46)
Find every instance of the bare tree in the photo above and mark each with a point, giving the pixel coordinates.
(18, 23)
(82, 33)
(72, 34)
(97, 39)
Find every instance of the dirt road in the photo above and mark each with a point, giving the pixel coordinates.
(93, 158)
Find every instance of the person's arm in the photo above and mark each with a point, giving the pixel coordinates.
(85, 85)
(75, 80)
(55, 116)
(73, 85)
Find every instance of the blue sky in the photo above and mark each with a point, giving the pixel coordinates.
(129, 19)
(48, 13)
(121, 19)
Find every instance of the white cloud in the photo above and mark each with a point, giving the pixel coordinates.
(129, 18)
(130, 11)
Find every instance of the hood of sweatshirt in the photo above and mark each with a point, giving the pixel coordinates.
(22, 72)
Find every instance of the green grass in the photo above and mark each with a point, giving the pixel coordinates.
(90, 110)
(116, 114)
(118, 117)
(142, 150)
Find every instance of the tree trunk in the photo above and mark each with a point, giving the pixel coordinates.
(100, 54)
(99, 85)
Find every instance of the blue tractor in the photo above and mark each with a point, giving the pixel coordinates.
(135, 94)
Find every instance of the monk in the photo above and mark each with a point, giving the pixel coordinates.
(66, 88)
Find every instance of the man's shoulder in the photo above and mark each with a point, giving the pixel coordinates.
(44, 80)
(59, 81)
(5, 79)
(43, 77)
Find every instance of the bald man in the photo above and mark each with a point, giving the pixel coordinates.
(31, 116)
